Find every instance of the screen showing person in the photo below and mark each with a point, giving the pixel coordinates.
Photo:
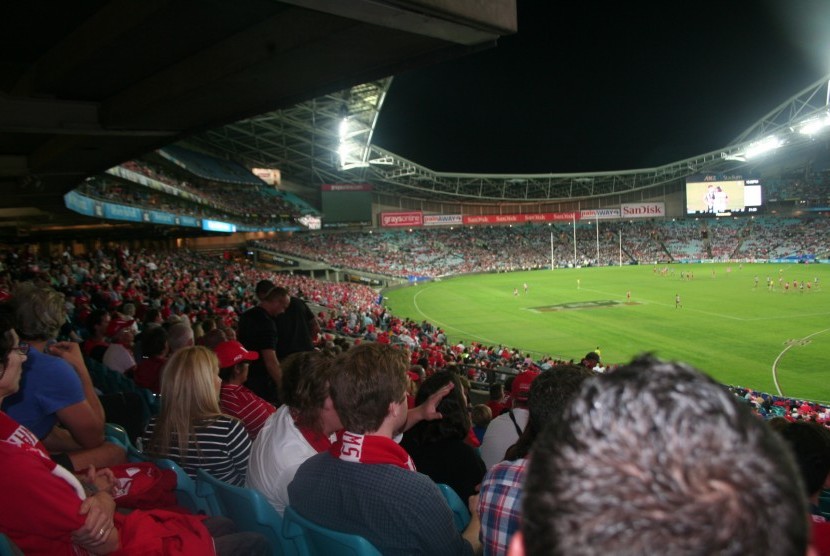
(715, 197)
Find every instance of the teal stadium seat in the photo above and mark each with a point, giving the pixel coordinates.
(246, 507)
(460, 511)
(116, 433)
(111, 382)
(311, 539)
(824, 503)
(7, 547)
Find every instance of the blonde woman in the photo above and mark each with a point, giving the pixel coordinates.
(56, 512)
(191, 429)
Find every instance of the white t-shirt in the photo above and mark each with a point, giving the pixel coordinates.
(501, 434)
(279, 449)
(118, 358)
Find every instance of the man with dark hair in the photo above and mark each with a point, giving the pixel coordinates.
(366, 484)
(657, 458)
(96, 343)
(302, 427)
(257, 332)
(262, 287)
(235, 398)
(297, 327)
(500, 497)
(810, 442)
(504, 430)
(148, 371)
(591, 360)
(497, 403)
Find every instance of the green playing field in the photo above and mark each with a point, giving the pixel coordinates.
(774, 340)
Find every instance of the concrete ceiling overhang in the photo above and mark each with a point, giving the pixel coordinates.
(87, 85)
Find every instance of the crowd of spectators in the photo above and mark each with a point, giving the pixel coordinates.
(204, 293)
(787, 237)
(247, 199)
(106, 188)
(202, 288)
(185, 285)
(804, 188)
(449, 251)
(180, 282)
(199, 197)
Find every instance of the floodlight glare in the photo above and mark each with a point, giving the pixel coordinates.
(343, 151)
(344, 128)
(763, 146)
(813, 125)
(350, 155)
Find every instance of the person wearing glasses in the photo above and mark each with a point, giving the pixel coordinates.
(22, 453)
(57, 400)
(49, 511)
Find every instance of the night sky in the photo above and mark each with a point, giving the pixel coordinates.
(596, 86)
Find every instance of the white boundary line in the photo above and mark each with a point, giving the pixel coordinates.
(774, 364)
(446, 326)
(785, 350)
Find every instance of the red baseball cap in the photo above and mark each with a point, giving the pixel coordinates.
(521, 385)
(232, 352)
(117, 325)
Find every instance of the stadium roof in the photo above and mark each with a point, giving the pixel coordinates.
(303, 142)
(88, 85)
(269, 83)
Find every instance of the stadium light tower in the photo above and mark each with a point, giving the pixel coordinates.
(351, 151)
(765, 145)
(815, 125)
(356, 117)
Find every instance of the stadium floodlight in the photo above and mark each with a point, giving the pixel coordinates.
(740, 157)
(814, 125)
(350, 156)
(763, 146)
(343, 151)
(351, 152)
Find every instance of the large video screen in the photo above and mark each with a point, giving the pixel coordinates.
(722, 197)
(347, 204)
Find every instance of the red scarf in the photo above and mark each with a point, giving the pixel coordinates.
(360, 448)
(319, 441)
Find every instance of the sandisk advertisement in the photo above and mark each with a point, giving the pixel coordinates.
(643, 210)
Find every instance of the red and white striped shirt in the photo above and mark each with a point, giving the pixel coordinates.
(240, 402)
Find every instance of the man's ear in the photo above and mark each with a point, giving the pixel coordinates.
(517, 545)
